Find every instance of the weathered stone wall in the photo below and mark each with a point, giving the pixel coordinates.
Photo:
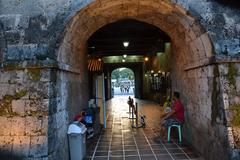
(204, 124)
(30, 38)
(37, 106)
(229, 85)
(211, 98)
(32, 31)
(71, 97)
(24, 103)
(34, 22)
(220, 19)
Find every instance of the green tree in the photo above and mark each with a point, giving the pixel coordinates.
(122, 73)
(116, 74)
(127, 73)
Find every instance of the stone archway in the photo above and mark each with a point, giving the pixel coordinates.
(171, 18)
(191, 54)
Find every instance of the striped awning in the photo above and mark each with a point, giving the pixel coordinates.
(94, 65)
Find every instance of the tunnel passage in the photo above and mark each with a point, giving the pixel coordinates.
(137, 45)
(190, 48)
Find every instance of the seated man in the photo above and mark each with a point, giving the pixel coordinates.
(176, 116)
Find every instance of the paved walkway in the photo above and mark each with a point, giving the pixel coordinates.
(120, 142)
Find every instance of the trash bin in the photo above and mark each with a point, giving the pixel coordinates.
(77, 140)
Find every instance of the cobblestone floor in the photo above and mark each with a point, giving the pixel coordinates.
(120, 142)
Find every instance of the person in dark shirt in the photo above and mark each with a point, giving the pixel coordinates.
(176, 116)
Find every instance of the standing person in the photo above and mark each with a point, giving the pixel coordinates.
(176, 116)
(121, 88)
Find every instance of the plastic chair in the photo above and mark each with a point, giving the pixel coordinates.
(179, 132)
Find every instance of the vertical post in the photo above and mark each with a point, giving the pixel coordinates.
(136, 110)
(132, 114)
(100, 92)
(104, 104)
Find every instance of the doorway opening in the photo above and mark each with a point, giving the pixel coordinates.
(122, 82)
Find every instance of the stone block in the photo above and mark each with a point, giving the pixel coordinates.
(6, 143)
(10, 21)
(33, 126)
(16, 77)
(223, 69)
(208, 46)
(225, 101)
(130, 8)
(27, 52)
(5, 76)
(234, 98)
(13, 36)
(52, 107)
(18, 107)
(40, 90)
(61, 118)
(52, 123)
(5, 126)
(7, 89)
(37, 107)
(18, 126)
(44, 126)
(238, 84)
(39, 146)
(21, 145)
(30, 107)
(45, 76)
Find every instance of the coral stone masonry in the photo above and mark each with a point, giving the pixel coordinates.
(44, 76)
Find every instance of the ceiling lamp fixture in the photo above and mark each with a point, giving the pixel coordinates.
(123, 60)
(146, 59)
(125, 44)
(124, 56)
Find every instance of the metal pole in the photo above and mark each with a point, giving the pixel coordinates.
(132, 114)
(104, 103)
(136, 105)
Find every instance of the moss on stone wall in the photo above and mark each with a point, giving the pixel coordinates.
(236, 117)
(20, 94)
(235, 123)
(10, 66)
(6, 103)
(38, 113)
(232, 73)
(34, 74)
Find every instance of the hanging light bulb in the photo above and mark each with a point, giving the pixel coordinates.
(125, 43)
(124, 56)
